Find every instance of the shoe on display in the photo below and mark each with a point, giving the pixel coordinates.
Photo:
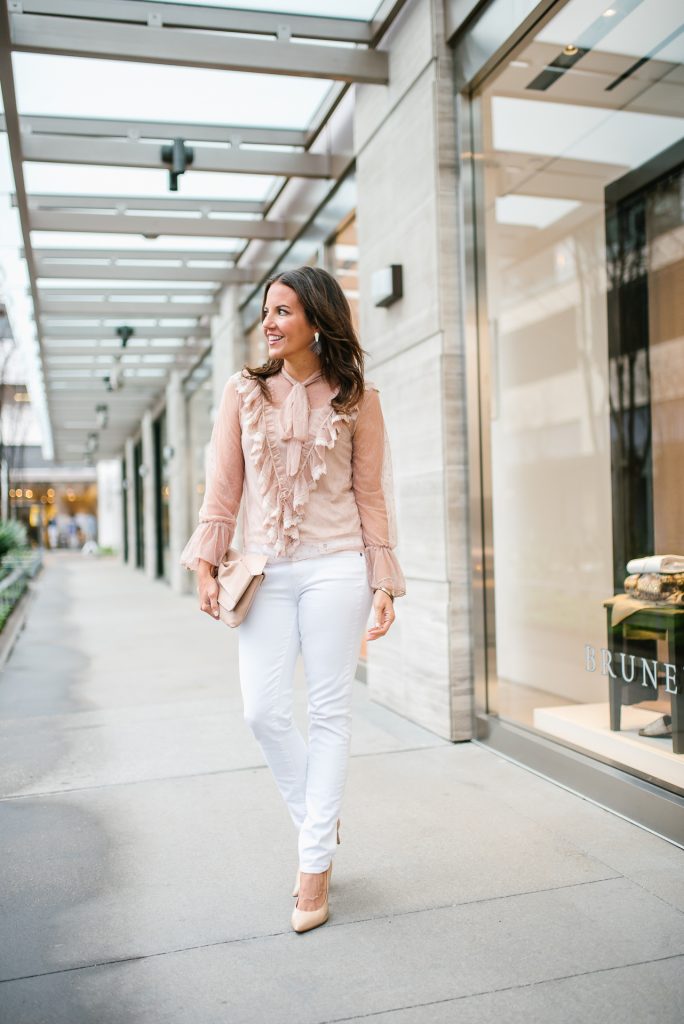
(662, 728)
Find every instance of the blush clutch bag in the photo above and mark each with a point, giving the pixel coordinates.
(239, 576)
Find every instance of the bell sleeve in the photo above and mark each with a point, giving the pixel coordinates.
(373, 489)
(225, 472)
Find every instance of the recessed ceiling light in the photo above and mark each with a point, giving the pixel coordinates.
(609, 12)
(570, 50)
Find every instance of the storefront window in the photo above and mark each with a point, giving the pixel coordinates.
(139, 500)
(124, 509)
(579, 194)
(343, 262)
(162, 483)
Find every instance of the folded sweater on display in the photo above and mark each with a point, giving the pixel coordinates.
(666, 588)
(656, 563)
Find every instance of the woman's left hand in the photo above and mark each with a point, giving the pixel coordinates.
(384, 615)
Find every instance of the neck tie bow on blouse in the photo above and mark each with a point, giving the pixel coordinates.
(294, 419)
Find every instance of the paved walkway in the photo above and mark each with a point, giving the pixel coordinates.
(146, 857)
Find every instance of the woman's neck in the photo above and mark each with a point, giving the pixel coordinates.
(302, 366)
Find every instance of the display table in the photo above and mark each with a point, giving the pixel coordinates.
(659, 621)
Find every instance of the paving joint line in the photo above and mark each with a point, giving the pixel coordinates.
(278, 934)
(507, 988)
(40, 794)
(553, 830)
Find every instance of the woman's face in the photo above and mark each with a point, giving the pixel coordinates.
(285, 324)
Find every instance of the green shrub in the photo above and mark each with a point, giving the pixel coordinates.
(10, 599)
(12, 535)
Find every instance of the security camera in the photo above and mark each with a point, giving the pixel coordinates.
(125, 332)
(177, 157)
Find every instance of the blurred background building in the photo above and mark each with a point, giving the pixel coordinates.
(498, 188)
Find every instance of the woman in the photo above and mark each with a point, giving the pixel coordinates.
(304, 437)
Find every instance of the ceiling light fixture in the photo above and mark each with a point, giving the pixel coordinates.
(114, 380)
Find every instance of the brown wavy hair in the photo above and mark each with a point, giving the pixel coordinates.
(327, 309)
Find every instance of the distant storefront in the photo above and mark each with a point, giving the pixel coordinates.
(57, 504)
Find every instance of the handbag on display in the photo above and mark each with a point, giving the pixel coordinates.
(239, 576)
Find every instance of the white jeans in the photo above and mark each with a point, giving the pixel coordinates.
(320, 606)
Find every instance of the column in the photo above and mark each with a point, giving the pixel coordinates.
(110, 505)
(228, 342)
(407, 214)
(229, 354)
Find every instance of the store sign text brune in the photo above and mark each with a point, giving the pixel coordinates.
(623, 666)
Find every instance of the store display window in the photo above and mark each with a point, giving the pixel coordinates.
(578, 170)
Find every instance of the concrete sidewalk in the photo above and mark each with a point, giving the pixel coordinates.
(147, 857)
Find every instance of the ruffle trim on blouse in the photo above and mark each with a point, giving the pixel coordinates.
(210, 540)
(284, 509)
(384, 570)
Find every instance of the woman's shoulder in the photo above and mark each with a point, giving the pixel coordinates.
(371, 393)
(369, 387)
(242, 381)
(367, 404)
(241, 374)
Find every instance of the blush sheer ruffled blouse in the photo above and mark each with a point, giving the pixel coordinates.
(312, 480)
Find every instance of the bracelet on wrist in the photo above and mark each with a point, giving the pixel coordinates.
(385, 591)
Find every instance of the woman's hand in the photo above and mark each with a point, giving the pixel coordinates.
(384, 615)
(208, 589)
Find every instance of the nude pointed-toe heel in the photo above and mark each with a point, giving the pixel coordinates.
(295, 890)
(304, 920)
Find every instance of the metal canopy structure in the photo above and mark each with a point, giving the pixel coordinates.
(122, 271)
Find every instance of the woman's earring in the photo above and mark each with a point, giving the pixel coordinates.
(316, 345)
